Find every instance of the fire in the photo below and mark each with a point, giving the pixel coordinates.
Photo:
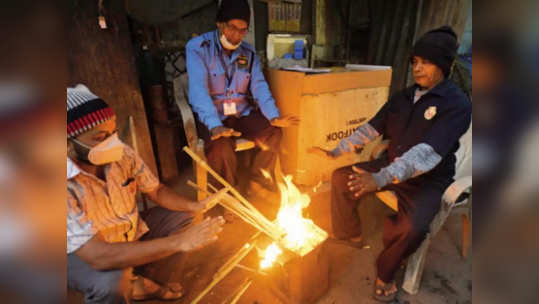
(301, 234)
(270, 256)
(266, 174)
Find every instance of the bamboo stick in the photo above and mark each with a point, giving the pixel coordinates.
(246, 247)
(228, 266)
(251, 269)
(258, 215)
(240, 293)
(253, 217)
(238, 212)
(247, 204)
(202, 163)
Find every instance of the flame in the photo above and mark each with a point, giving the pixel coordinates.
(266, 174)
(270, 255)
(301, 234)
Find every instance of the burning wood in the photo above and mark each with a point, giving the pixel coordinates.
(290, 230)
(301, 234)
(270, 255)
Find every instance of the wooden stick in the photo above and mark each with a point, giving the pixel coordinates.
(256, 213)
(242, 290)
(228, 266)
(253, 217)
(237, 211)
(251, 269)
(202, 163)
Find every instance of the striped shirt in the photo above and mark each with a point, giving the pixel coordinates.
(107, 208)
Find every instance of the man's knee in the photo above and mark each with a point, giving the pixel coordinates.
(415, 232)
(270, 138)
(164, 222)
(220, 148)
(111, 287)
(339, 178)
(276, 135)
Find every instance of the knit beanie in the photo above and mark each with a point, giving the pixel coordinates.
(233, 9)
(439, 46)
(85, 110)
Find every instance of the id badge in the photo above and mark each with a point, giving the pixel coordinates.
(229, 108)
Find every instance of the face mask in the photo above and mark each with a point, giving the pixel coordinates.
(108, 151)
(227, 44)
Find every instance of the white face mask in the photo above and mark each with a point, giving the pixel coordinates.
(227, 44)
(108, 151)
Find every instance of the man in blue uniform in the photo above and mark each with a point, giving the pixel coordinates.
(230, 96)
(424, 123)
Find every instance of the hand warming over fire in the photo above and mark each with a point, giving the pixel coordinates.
(361, 182)
(321, 152)
(199, 235)
(285, 121)
(221, 131)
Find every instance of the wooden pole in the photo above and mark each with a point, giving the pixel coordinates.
(241, 213)
(270, 228)
(203, 163)
(240, 293)
(228, 266)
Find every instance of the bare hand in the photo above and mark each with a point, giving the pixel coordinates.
(209, 202)
(200, 235)
(223, 132)
(322, 152)
(361, 182)
(285, 121)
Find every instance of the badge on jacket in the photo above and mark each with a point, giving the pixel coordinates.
(243, 61)
(430, 112)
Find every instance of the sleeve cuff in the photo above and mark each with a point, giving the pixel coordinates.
(336, 152)
(269, 110)
(212, 123)
(272, 114)
(382, 178)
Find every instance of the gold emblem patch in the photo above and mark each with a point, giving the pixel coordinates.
(430, 113)
(242, 61)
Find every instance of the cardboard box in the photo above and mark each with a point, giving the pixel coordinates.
(331, 106)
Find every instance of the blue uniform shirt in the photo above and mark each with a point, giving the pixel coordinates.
(215, 79)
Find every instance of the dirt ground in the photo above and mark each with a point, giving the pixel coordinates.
(446, 279)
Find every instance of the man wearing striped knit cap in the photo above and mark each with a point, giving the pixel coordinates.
(106, 235)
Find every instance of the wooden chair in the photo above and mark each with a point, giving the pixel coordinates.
(458, 194)
(181, 91)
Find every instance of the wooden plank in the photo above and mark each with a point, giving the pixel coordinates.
(334, 82)
(188, 119)
(104, 61)
(163, 133)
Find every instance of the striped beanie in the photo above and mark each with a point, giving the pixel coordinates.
(85, 110)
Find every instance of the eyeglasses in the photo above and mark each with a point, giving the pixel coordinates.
(233, 28)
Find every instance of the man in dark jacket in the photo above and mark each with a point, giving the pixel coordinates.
(424, 123)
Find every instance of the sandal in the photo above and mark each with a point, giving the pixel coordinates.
(384, 293)
(145, 289)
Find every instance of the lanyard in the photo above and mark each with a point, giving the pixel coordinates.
(228, 76)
